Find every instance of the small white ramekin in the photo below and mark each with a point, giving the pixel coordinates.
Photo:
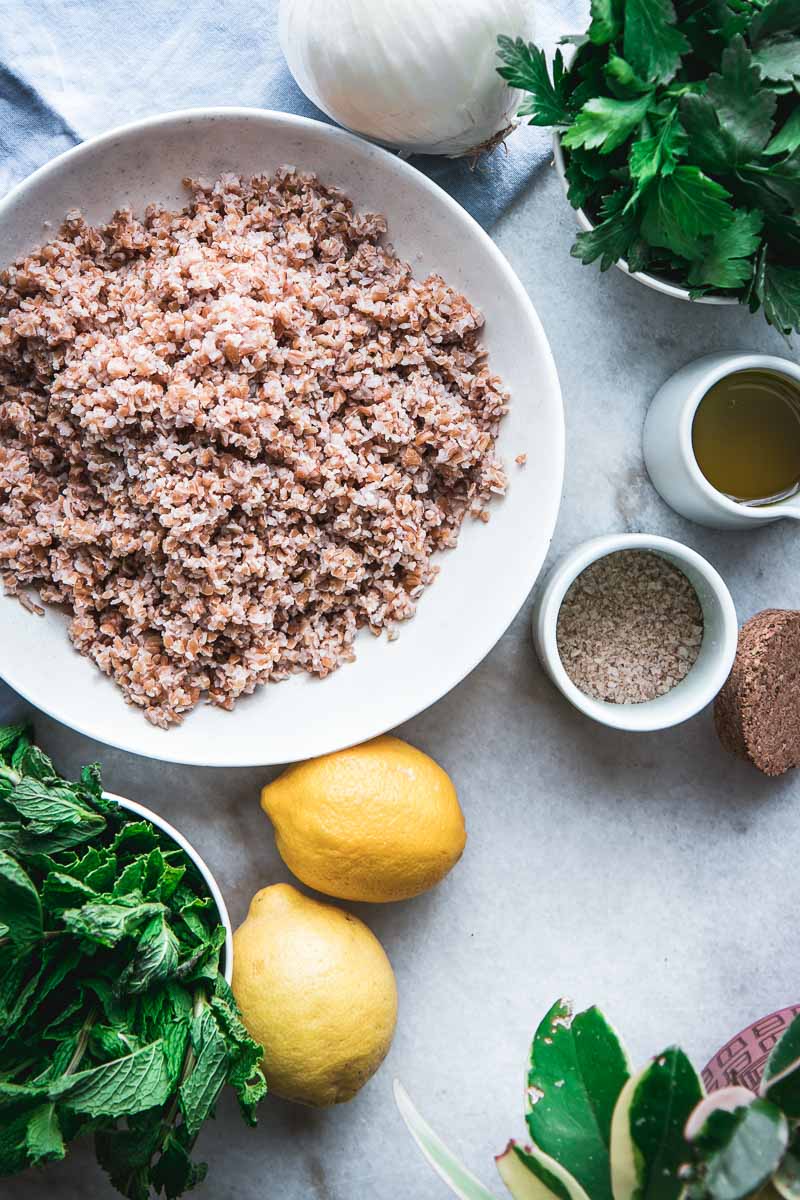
(717, 651)
(652, 281)
(216, 895)
(667, 443)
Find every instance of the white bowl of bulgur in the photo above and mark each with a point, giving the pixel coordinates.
(242, 427)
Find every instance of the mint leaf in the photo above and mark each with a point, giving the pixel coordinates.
(745, 109)
(526, 68)
(652, 44)
(9, 736)
(119, 1088)
(246, 1074)
(156, 958)
(787, 139)
(35, 763)
(605, 123)
(175, 1173)
(682, 208)
(727, 262)
(199, 1093)
(125, 1154)
(20, 907)
(107, 1042)
(44, 1141)
(107, 923)
(60, 891)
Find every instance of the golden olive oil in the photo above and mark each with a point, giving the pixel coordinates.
(746, 436)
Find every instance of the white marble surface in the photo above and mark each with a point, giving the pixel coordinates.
(637, 871)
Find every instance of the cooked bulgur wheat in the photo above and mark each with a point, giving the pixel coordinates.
(231, 436)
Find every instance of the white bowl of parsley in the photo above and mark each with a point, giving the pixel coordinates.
(678, 136)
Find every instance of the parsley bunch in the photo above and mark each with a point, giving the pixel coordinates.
(682, 132)
(114, 1017)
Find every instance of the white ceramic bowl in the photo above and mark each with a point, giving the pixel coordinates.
(482, 584)
(147, 814)
(652, 281)
(717, 651)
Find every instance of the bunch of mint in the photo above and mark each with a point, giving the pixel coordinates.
(681, 126)
(114, 1017)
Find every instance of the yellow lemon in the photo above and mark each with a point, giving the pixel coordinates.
(378, 822)
(317, 991)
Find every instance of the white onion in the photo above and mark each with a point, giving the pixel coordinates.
(417, 75)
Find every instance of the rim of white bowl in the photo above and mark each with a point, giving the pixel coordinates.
(647, 716)
(213, 887)
(652, 281)
(732, 365)
(483, 646)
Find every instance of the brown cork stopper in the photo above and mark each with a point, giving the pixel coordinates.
(757, 713)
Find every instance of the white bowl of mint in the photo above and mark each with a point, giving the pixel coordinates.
(679, 140)
(117, 1020)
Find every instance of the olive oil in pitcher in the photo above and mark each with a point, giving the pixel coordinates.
(746, 436)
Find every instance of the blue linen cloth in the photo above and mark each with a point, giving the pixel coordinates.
(70, 69)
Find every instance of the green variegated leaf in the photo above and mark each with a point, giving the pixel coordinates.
(780, 1081)
(648, 1146)
(578, 1068)
(530, 1174)
(460, 1181)
(738, 1150)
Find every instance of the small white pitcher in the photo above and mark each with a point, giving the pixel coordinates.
(668, 452)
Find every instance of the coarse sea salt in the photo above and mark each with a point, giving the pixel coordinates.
(630, 627)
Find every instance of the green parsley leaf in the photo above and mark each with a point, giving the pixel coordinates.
(727, 262)
(652, 44)
(782, 179)
(779, 58)
(776, 17)
(606, 23)
(611, 239)
(622, 79)
(777, 290)
(788, 137)
(745, 109)
(710, 146)
(526, 68)
(605, 124)
(657, 155)
(682, 208)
